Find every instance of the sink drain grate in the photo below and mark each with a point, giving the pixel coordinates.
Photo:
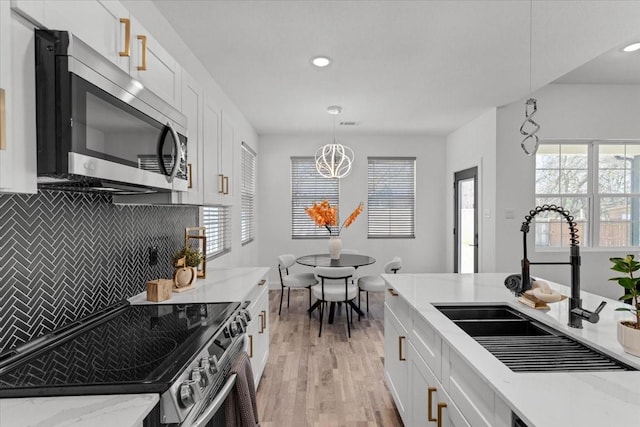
(548, 353)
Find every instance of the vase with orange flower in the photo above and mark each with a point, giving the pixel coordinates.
(325, 215)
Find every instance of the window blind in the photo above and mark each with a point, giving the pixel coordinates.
(391, 197)
(307, 187)
(217, 223)
(247, 194)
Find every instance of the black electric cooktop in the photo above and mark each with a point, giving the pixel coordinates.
(128, 349)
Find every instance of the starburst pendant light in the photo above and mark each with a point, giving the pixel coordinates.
(334, 160)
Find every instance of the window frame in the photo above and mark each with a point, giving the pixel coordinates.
(593, 195)
(301, 226)
(225, 231)
(372, 202)
(247, 194)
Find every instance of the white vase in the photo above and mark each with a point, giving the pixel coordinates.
(335, 246)
(629, 339)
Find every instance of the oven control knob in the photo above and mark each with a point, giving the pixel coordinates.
(214, 366)
(235, 328)
(246, 314)
(227, 331)
(199, 374)
(205, 364)
(242, 320)
(190, 393)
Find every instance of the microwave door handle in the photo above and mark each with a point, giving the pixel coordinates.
(178, 153)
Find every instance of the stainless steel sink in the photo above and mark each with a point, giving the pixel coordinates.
(525, 344)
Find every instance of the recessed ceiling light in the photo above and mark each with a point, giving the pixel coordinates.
(334, 110)
(632, 47)
(321, 61)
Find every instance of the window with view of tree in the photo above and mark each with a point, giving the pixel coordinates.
(307, 187)
(599, 183)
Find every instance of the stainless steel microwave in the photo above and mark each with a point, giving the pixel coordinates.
(98, 129)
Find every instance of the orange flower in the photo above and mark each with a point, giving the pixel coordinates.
(325, 215)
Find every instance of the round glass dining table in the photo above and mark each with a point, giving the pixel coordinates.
(345, 260)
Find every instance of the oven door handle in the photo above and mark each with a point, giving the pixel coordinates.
(217, 402)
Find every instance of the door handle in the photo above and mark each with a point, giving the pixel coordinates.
(441, 406)
(430, 392)
(127, 37)
(400, 355)
(143, 66)
(221, 186)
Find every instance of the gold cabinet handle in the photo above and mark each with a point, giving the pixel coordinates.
(221, 186)
(400, 355)
(190, 176)
(127, 37)
(392, 292)
(250, 345)
(262, 282)
(263, 321)
(226, 185)
(441, 406)
(430, 392)
(3, 121)
(143, 66)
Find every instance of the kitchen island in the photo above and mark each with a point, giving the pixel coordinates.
(126, 410)
(475, 388)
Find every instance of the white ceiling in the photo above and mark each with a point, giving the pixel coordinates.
(398, 66)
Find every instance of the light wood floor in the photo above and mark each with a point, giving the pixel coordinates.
(327, 381)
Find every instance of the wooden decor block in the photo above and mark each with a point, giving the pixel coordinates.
(159, 290)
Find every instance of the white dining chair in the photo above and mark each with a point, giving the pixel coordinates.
(290, 280)
(376, 283)
(335, 286)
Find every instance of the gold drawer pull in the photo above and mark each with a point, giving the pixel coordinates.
(127, 37)
(262, 282)
(400, 355)
(263, 321)
(441, 406)
(221, 186)
(430, 392)
(190, 176)
(250, 345)
(392, 292)
(143, 66)
(226, 185)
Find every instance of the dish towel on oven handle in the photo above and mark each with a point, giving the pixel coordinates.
(240, 407)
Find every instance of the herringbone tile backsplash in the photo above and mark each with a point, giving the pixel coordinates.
(66, 255)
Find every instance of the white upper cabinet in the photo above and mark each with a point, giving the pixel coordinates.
(152, 66)
(104, 25)
(225, 156)
(17, 104)
(192, 106)
(212, 181)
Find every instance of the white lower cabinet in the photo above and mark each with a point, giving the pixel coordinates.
(431, 384)
(258, 329)
(396, 367)
(430, 404)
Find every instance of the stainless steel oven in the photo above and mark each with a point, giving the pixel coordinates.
(183, 352)
(100, 129)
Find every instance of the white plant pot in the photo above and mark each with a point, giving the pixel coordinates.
(629, 339)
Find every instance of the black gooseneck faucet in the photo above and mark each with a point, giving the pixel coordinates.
(576, 312)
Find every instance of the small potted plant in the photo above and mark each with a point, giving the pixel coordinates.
(186, 261)
(629, 330)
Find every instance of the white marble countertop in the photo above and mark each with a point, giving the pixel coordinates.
(540, 399)
(77, 411)
(220, 285)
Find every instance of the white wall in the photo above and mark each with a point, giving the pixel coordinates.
(422, 254)
(474, 145)
(564, 112)
(157, 25)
